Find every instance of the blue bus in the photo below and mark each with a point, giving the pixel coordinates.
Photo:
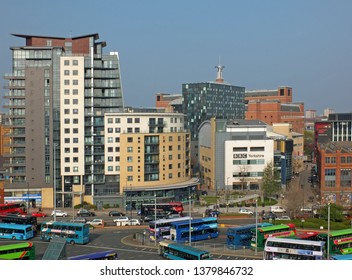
(104, 255)
(239, 237)
(341, 257)
(72, 232)
(174, 251)
(201, 229)
(16, 231)
(162, 228)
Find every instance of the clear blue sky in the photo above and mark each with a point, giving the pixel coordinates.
(305, 44)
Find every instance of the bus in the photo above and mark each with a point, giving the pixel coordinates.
(174, 251)
(293, 249)
(104, 255)
(341, 257)
(239, 237)
(163, 227)
(16, 232)
(21, 220)
(201, 229)
(161, 208)
(72, 232)
(308, 235)
(283, 230)
(18, 251)
(12, 208)
(340, 241)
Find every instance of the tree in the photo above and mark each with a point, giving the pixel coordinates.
(336, 213)
(308, 142)
(271, 184)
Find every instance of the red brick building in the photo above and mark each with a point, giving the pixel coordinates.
(334, 161)
(275, 106)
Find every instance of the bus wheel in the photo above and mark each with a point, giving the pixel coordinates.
(72, 242)
(13, 237)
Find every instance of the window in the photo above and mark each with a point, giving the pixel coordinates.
(66, 72)
(129, 149)
(137, 130)
(75, 82)
(66, 91)
(75, 101)
(75, 91)
(170, 166)
(110, 139)
(137, 120)
(117, 120)
(170, 148)
(67, 140)
(117, 139)
(110, 159)
(129, 120)
(67, 111)
(110, 168)
(110, 130)
(75, 111)
(67, 169)
(75, 131)
(66, 82)
(110, 149)
(117, 130)
(75, 140)
(67, 130)
(129, 159)
(130, 139)
(75, 121)
(109, 120)
(170, 138)
(75, 150)
(239, 149)
(117, 149)
(75, 62)
(67, 150)
(75, 169)
(75, 72)
(257, 149)
(130, 168)
(75, 159)
(67, 159)
(67, 101)
(66, 62)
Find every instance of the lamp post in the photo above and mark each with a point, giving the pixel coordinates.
(227, 194)
(328, 237)
(155, 217)
(256, 226)
(54, 181)
(27, 198)
(190, 217)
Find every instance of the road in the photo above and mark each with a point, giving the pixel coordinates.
(114, 238)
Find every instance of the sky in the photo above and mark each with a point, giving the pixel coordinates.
(263, 44)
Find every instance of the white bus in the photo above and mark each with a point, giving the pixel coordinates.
(293, 249)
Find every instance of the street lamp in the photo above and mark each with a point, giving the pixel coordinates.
(328, 237)
(54, 181)
(190, 217)
(227, 194)
(155, 217)
(256, 226)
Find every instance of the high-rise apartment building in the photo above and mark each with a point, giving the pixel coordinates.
(58, 92)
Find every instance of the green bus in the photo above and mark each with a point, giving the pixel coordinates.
(17, 251)
(340, 241)
(283, 230)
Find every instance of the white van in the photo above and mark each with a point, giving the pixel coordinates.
(277, 209)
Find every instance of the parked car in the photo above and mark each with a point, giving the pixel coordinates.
(245, 211)
(277, 209)
(38, 214)
(149, 218)
(85, 213)
(59, 213)
(284, 218)
(96, 222)
(121, 221)
(79, 220)
(269, 215)
(132, 222)
(116, 213)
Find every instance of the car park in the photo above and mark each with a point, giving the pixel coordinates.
(85, 213)
(59, 213)
(96, 222)
(245, 211)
